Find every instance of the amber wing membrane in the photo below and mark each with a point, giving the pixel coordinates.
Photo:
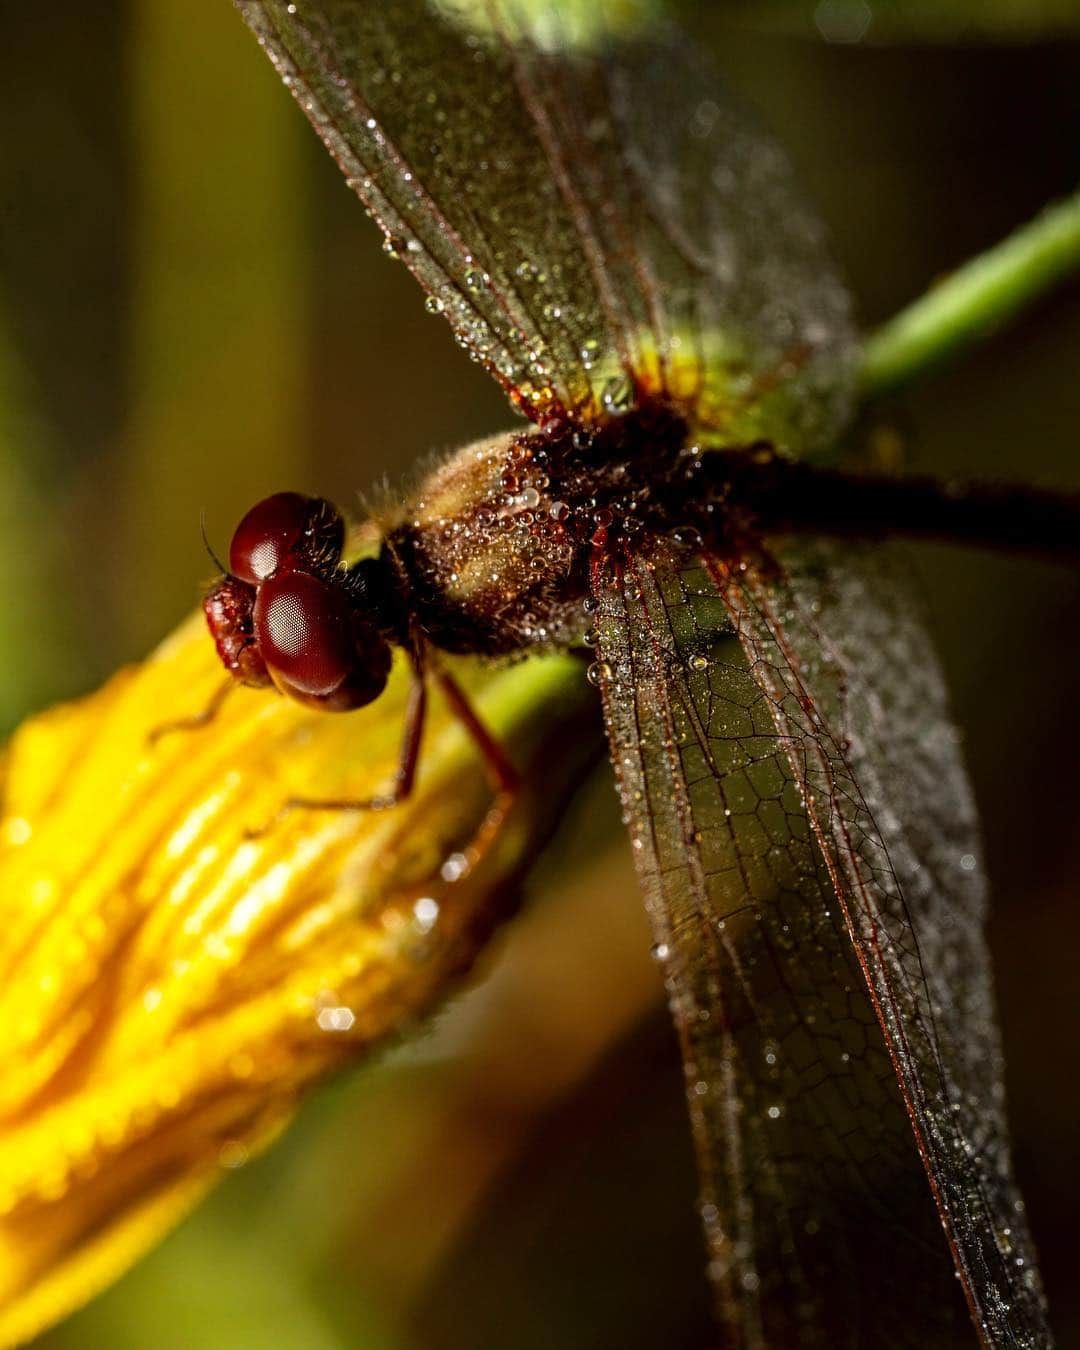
(807, 845)
(585, 208)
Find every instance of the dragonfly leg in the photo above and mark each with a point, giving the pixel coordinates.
(408, 758)
(504, 776)
(197, 720)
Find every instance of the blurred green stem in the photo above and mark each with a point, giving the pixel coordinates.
(978, 297)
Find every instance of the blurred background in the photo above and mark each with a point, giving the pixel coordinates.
(195, 312)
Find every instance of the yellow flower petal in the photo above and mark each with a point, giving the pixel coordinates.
(179, 960)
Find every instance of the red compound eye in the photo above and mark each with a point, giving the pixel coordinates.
(285, 531)
(317, 648)
(305, 631)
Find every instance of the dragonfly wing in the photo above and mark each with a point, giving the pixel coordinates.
(583, 206)
(805, 839)
(709, 261)
(842, 654)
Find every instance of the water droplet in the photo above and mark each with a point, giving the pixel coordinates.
(617, 394)
(338, 1018)
(232, 1153)
(598, 672)
(16, 830)
(455, 867)
(704, 118)
(434, 305)
(843, 21)
(425, 913)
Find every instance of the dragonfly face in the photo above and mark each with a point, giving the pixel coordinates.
(286, 615)
(633, 265)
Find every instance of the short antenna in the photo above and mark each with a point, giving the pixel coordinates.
(206, 540)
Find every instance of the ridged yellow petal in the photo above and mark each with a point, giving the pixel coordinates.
(178, 960)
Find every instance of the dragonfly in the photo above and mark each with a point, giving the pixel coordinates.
(630, 258)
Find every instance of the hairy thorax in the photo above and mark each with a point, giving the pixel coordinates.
(494, 549)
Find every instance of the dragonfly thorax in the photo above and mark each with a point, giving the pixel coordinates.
(495, 547)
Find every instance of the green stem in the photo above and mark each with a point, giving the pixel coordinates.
(980, 296)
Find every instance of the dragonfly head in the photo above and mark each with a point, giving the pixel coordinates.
(289, 614)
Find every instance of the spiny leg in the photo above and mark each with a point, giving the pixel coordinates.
(408, 759)
(503, 775)
(197, 720)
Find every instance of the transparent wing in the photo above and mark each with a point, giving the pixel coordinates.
(580, 202)
(807, 846)
(714, 272)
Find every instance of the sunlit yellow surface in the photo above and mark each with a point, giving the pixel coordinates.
(178, 960)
